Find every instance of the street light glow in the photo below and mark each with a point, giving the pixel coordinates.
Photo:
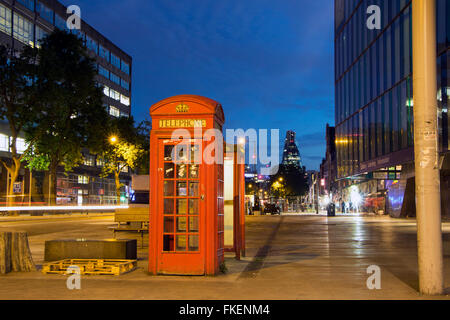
(113, 139)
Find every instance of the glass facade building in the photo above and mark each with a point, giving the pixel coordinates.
(373, 87)
(26, 22)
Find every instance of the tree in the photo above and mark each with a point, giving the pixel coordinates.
(143, 132)
(122, 148)
(289, 181)
(17, 105)
(70, 102)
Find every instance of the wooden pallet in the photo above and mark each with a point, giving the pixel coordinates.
(91, 266)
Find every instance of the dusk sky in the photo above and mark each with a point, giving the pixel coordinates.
(269, 63)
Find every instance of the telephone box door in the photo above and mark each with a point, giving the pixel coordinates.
(181, 211)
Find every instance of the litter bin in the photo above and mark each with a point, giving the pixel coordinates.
(331, 210)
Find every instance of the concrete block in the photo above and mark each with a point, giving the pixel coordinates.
(90, 249)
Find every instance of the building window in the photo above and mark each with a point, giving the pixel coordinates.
(23, 30)
(115, 112)
(104, 53)
(125, 67)
(45, 12)
(125, 100)
(91, 44)
(27, 3)
(123, 114)
(60, 23)
(83, 179)
(89, 160)
(114, 94)
(40, 34)
(115, 61)
(100, 162)
(125, 85)
(114, 78)
(78, 33)
(21, 145)
(106, 91)
(5, 19)
(4, 142)
(103, 72)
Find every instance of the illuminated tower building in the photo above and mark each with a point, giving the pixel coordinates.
(291, 155)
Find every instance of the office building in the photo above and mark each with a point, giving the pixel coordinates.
(25, 22)
(374, 103)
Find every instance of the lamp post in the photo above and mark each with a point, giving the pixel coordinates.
(428, 199)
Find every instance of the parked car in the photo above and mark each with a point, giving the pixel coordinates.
(272, 209)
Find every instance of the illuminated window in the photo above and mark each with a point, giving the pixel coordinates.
(5, 19)
(23, 30)
(4, 142)
(21, 145)
(89, 160)
(100, 162)
(106, 91)
(114, 94)
(115, 112)
(83, 179)
(125, 100)
(40, 34)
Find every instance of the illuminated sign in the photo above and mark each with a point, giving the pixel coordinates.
(182, 123)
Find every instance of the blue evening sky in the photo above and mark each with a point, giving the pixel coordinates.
(270, 63)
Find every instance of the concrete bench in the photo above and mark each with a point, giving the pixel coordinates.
(90, 249)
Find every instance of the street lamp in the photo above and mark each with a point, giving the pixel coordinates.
(281, 179)
(113, 139)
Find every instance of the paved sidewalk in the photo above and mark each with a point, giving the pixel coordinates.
(289, 257)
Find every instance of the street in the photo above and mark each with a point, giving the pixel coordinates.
(288, 257)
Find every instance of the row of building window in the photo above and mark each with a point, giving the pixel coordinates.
(355, 37)
(5, 142)
(24, 31)
(383, 127)
(92, 161)
(25, 34)
(109, 92)
(383, 65)
(115, 112)
(104, 53)
(113, 77)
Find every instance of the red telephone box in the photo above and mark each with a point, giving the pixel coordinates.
(186, 231)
